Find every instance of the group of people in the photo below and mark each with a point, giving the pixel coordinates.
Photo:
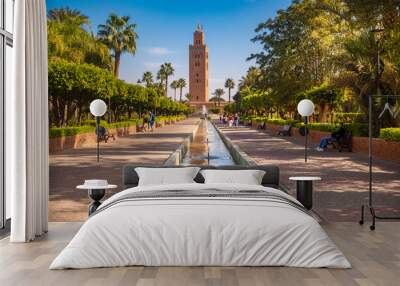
(229, 120)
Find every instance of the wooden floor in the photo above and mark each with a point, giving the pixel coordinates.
(375, 257)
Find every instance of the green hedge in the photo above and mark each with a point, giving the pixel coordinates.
(90, 126)
(70, 131)
(214, 110)
(172, 117)
(281, 121)
(74, 130)
(325, 127)
(349, 117)
(277, 121)
(390, 134)
(356, 129)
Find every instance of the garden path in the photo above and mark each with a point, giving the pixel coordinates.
(344, 175)
(71, 167)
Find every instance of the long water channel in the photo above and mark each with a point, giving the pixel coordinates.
(207, 148)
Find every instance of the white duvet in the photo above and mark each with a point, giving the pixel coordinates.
(200, 231)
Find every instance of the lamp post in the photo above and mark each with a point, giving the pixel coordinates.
(98, 108)
(306, 109)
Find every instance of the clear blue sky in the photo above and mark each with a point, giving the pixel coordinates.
(165, 29)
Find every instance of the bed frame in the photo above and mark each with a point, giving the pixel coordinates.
(130, 178)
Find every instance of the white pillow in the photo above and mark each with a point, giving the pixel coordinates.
(166, 176)
(247, 177)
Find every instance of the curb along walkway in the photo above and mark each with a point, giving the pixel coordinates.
(71, 167)
(344, 175)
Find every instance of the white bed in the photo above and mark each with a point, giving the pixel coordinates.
(185, 230)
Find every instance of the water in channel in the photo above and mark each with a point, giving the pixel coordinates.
(207, 148)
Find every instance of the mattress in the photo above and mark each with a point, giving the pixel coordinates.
(201, 225)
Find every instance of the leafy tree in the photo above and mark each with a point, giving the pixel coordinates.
(332, 51)
(120, 36)
(325, 97)
(229, 84)
(73, 86)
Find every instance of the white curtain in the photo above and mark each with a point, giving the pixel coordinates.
(27, 124)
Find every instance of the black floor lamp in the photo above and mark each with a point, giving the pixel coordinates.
(305, 109)
(98, 108)
(370, 205)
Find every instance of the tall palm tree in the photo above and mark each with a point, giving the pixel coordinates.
(181, 85)
(174, 85)
(165, 71)
(161, 77)
(229, 84)
(120, 37)
(219, 92)
(147, 78)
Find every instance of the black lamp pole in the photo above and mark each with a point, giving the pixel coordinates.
(306, 144)
(98, 139)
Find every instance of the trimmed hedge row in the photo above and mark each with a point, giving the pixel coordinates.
(390, 134)
(356, 129)
(172, 117)
(70, 131)
(90, 126)
(325, 127)
(281, 121)
(74, 130)
(277, 121)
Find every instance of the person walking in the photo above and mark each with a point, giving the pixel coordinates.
(152, 120)
(236, 120)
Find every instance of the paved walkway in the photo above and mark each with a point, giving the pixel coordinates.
(344, 175)
(71, 167)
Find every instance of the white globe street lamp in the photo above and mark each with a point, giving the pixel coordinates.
(306, 109)
(98, 108)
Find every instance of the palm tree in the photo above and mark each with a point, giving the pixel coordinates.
(174, 85)
(188, 96)
(165, 71)
(147, 78)
(161, 76)
(68, 15)
(229, 84)
(120, 37)
(181, 85)
(219, 92)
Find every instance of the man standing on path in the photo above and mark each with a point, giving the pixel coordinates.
(152, 119)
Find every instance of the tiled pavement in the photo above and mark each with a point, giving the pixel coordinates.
(72, 167)
(344, 175)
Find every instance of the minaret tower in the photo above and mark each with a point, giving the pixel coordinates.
(198, 67)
